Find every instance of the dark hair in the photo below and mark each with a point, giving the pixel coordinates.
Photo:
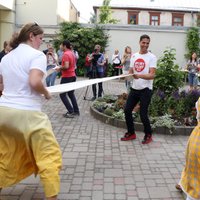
(24, 34)
(5, 44)
(67, 44)
(143, 37)
(191, 57)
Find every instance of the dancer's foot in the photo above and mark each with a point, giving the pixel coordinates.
(178, 187)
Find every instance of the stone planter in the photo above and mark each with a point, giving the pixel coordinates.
(178, 130)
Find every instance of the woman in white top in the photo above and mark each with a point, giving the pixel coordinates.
(52, 62)
(116, 61)
(27, 142)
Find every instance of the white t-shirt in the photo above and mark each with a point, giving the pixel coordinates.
(15, 68)
(141, 64)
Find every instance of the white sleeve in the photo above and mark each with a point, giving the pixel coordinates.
(131, 62)
(39, 62)
(153, 62)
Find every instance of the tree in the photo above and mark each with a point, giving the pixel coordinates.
(105, 16)
(93, 18)
(192, 42)
(83, 40)
(168, 76)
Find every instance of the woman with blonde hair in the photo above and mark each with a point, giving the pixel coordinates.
(126, 65)
(27, 142)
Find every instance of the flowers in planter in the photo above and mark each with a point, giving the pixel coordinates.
(163, 121)
(179, 105)
(165, 110)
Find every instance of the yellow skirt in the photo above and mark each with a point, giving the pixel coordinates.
(27, 146)
(190, 179)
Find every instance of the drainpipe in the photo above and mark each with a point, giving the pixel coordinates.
(192, 15)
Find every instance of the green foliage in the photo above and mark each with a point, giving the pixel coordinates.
(163, 121)
(179, 105)
(168, 76)
(119, 114)
(83, 40)
(109, 111)
(105, 16)
(100, 106)
(109, 98)
(192, 42)
(109, 70)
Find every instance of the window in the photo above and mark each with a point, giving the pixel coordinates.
(198, 19)
(133, 17)
(154, 18)
(177, 19)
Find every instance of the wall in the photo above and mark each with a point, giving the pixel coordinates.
(7, 25)
(7, 20)
(73, 14)
(165, 17)
(63, 10)
(42, 12)
(161, 38)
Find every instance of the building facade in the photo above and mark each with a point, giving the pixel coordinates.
(48, 14)
(155, 12)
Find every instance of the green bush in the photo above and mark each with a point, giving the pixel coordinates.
(83, 39)
(168, 76)
(192, 42)
(109, 111)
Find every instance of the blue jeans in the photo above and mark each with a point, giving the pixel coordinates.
(100, 85)
(73, 106)
(50, 80)
(192, 79)
(144, 97)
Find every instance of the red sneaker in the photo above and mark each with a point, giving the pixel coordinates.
(147, 139)
(128, 136)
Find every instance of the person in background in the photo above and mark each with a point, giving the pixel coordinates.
(76, 55)
(192, 67)
(46, 50)
(27, 142)
(6, 49)
(116, 61)
(87, 65)
(52, 62)
(126, 66)
(97, 59)
(68, 75)
(105, 64)
(60, 54)
(143, 67)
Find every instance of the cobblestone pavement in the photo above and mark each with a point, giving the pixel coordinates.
(98, 166)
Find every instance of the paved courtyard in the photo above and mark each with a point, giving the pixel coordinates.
(98, 166)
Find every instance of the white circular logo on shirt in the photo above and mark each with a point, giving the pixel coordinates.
(139, 65)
